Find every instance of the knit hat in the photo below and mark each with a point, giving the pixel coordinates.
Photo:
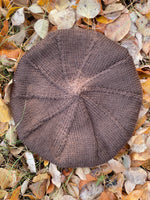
(75, 98)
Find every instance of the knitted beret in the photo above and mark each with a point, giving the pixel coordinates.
(75, 98)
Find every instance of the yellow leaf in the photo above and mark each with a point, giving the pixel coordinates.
(46, 162)
(148, 15)
(3, 128)
(7, 3)
(40, 177)
(5, 115)
(103, 20)
(41, 2)
(15, 194)
(11, 11)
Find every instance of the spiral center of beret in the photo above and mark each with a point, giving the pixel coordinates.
(77, 86)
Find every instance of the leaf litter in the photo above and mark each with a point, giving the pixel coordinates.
(25, 175)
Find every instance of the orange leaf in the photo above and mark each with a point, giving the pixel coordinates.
(5, 28)
(107, 195)
(50, 188)
(16, 193)
(30, 196)
(1, 3)
(134, 195)
(103, 20)
(67, 172)
(89, 178)
(12, 53)
(41, 2)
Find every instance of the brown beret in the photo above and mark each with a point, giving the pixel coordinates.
(75, 98)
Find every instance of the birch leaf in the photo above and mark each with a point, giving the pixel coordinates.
(24, 186)
(64, 19)
(62, 4)
(18, 18)
(34, 8)
(41, 27)
(89, 9)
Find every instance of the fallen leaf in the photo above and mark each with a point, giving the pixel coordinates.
(114, 7)
(41, 27)
(7, 3)
(80, 173)
(5, 115)
(137, 143)
(136, 175)
(30, 161)
(30, 196)
(11, 136)
(1, 159)
(62, 4)
(3, 193)
(126, 161)
(8, 178)
(89, 9)
(40, 177)
(56, 175)
(15, 194)
(103, 20)
(18, 18)
(143, 25)
(12, 53)
(38, 189)
(134, 195)
(116, 166)
(129, 186)
(89, 178)
(11, 11)
(21, 2)
(19, 37)
(146, 191)
(146, 47)
(67, 171)
(143, 8)
(63, 19)
(119, 28)
(73, 190)
(91, 191)
(46, 162)
(24, 186)
(5, 28)
(57, 195)
(50, 188)
(67, 197)
(146, 86)
(34, 8)
(3, 128)
(107, 195)
(109, 1)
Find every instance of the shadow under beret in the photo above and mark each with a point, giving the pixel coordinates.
(76, 97)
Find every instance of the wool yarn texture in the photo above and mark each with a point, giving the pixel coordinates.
(75, 98)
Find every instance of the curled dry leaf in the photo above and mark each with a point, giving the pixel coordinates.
(41, 177)
(5, 115)
(116, 166)
(8, 178)
(38, 189)
(62, 4)
(146, 47)
(91, 191)
(30, 161)
(41, 27)
(64, 19)
(18, 18)
(56, 175)
(15, 194)
(89, 9)
(144, 7)
(34, 8)
(119, 28)
(143, 25)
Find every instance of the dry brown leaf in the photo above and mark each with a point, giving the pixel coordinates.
(3, 128)
(39, 189)
(109, 1)
(146, 86)
(119, 28)
(107, 195)
(15, 194)
(67, 171)
(50, 188)
(89, 178)
(5, 115)
(7, 3)
(5, 28)
(146, 47)
(30, 196)
(11, 53)
(73, 190)
(15, 151)
(11, 136)
(146, 191)
(21, 2)
(114, 7)
(134, 195)
(67, 197)
(143, 25)
(8, 178)
(40, 177)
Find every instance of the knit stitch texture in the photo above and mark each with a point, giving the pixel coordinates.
(76, 97)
